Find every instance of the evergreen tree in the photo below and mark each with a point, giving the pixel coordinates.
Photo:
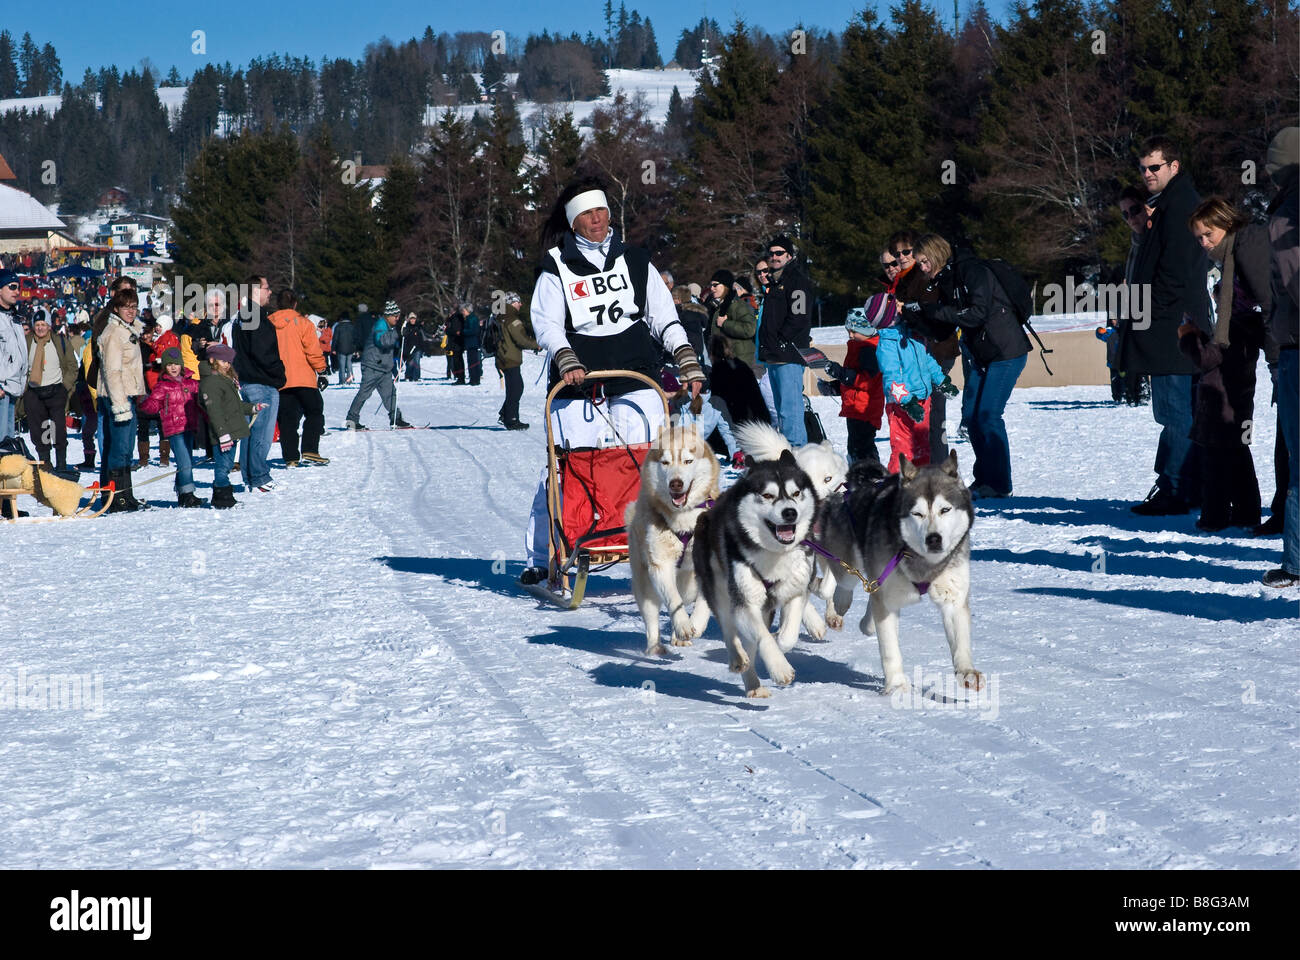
(29, 63)
(51, 70)
(173, 78)
(468, 91)
(9, 82)
(559, 148)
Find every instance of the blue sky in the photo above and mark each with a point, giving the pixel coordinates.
(237, 30)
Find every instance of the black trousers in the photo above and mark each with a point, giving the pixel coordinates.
(458, 365)
(1229, 488)
(474, 364)
(862, 440)
(47, 421)
(307, 405)
(514, 391)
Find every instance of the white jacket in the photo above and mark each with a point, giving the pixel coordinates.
(13, 356)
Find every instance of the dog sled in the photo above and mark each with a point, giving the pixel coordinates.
(588, 490)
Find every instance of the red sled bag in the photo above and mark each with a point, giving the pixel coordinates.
(596, 487)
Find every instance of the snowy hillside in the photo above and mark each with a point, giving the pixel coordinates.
(343, 674)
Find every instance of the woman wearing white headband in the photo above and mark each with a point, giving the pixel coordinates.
(599, 305)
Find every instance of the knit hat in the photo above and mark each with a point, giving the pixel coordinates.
(219, 351)
(513, 297)
(781, 242)
(881, 311)
(7, 277)
(391, 309)
(173, 355)
(856, 322)
(744, 283)
(724, 277)
(1283, 152)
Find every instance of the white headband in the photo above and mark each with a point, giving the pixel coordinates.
(591, 200)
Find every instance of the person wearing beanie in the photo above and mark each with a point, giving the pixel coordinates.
(377, 369)
(52, 374)
(516, 337)
(1283, 166)
(786, 326)
(599, 304)
(13, 356)
(857, 382)
(174, 401)
(227, 418)
(121, 381)
(155, 342)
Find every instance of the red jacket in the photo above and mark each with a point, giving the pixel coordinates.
(865, 399)
(175, 400)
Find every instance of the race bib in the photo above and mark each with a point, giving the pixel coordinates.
(600, 304)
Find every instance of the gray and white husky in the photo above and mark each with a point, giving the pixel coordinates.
(919, 522)
(750, 563)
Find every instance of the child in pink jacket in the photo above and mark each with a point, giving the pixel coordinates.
(175, 401)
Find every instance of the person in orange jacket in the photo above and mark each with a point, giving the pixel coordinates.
(300, 398)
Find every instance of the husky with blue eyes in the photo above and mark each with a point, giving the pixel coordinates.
(911, 532)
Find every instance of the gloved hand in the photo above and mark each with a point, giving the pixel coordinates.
(828, 388)
(911, 307)
(914, 410)
(227, 446)
(738, 461)
(839, 373)
(259, 407)
(948, 388)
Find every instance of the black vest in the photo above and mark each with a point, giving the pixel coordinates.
(604, 313)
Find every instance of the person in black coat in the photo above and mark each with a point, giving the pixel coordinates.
(1225, 391)
(344, 345)
(784, 327)
(993, 345)
(1170, 274)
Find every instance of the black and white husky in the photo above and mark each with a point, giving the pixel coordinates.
(912, 533)
(751, 562)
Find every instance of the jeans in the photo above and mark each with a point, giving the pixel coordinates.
(787, 392)
(254, 451)
(222, 462)
(119, 440)
(1288, 424)
(184, 482)
(1171, 405)
(6, 415)
(982, 404)
(344, 361)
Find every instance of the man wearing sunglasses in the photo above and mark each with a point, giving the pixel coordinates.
(13, 353)
(786, 322)
(1171, 265)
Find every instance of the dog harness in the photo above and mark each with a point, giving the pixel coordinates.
(922, 587)
(685, 538)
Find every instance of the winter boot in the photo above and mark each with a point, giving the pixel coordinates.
(124, 500)
(223, 498)
(188, 499)
(144, 453)
(164, 452)
(62, 469)
(398, 421)
(353, 425)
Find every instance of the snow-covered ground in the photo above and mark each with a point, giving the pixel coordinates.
(343, 674)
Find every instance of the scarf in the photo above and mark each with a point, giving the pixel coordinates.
(37, 372)
(1223, 253)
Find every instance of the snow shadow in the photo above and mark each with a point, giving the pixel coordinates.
(812, 668)
(627, 644)
(1072, 404)
(1204, 606)
(651, 682)
(1205, 546)
(476, 573)
(1070, 511)
(1119, 563)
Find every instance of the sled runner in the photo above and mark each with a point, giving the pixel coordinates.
(91, 509)
(587, 492)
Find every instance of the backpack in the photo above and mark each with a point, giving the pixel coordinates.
(1022, 300)
(493, 336)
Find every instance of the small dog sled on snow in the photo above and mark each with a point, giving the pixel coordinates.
(20, 474)
(588, 491)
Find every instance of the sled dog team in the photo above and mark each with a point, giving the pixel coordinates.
(775, 537)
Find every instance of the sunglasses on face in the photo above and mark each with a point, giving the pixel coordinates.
(1152, 167)
(1131, 212)
(777, 253)
(889, 264)
(764, 273)
(903, 253)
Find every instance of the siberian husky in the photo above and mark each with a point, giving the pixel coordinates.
(677, 478)
(750, 562)
(827, 470)
(919, 522)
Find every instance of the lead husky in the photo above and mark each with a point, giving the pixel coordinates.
(679, 474)
(919, 521)
(827, 470)
(751, 563)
